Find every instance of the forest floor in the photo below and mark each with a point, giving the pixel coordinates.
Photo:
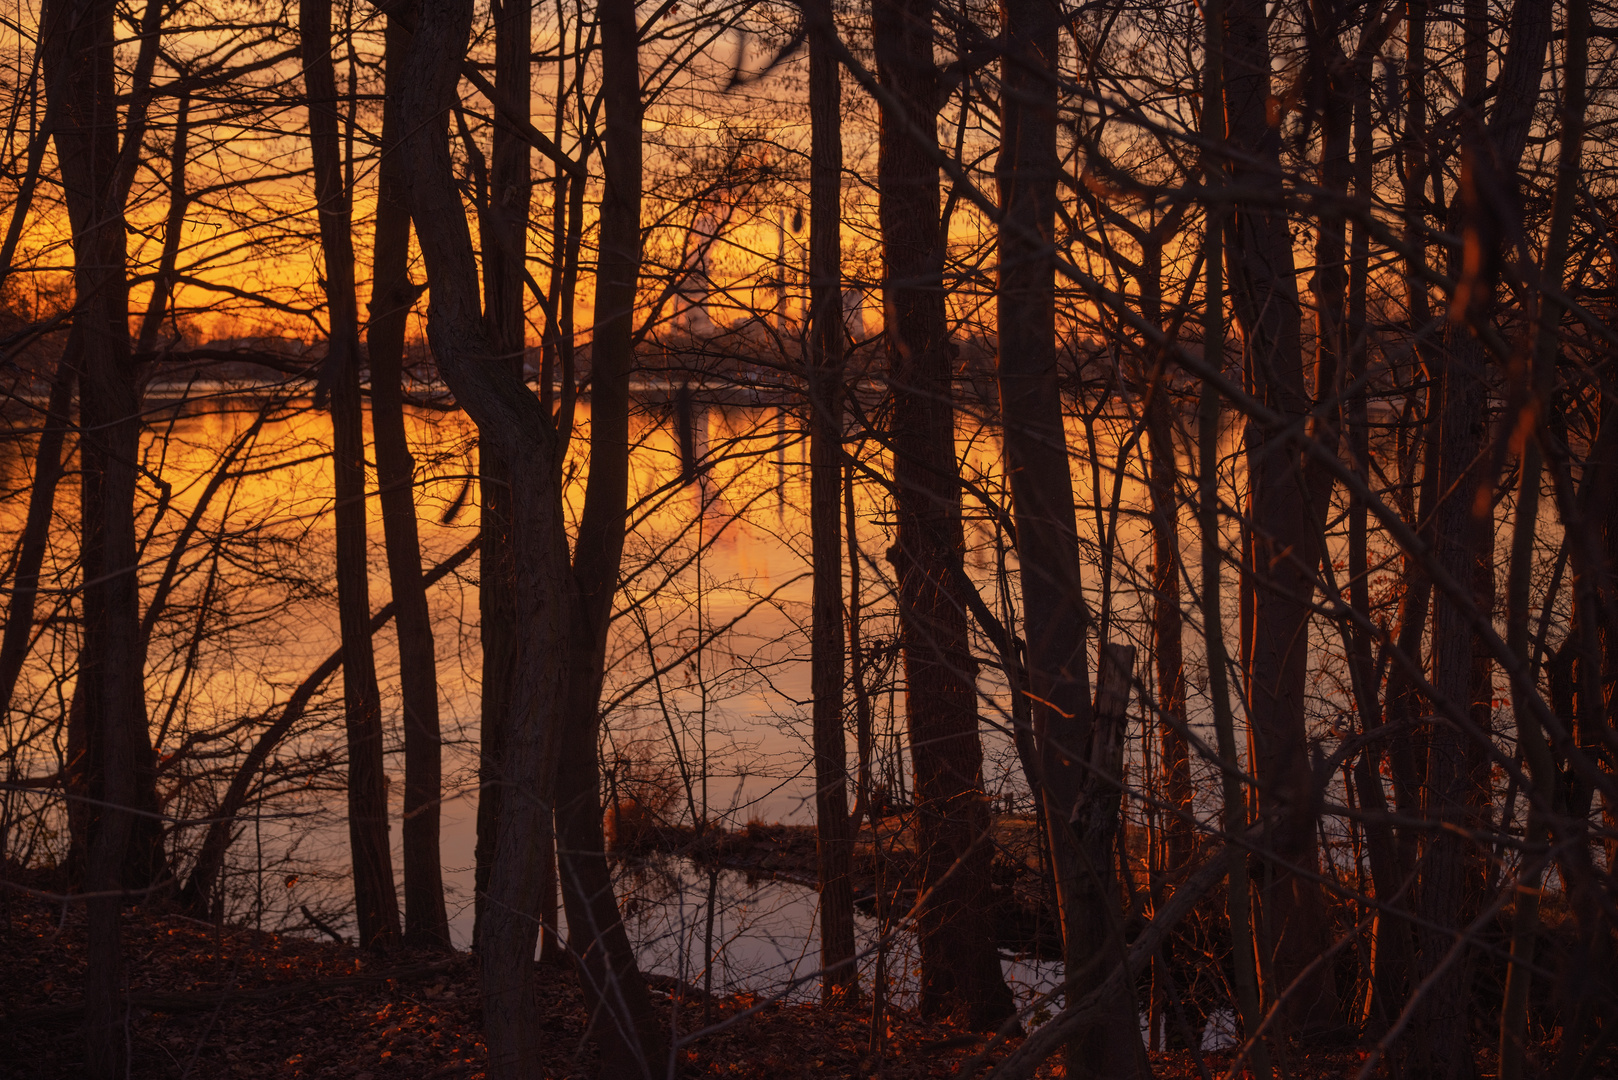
(207, 1002)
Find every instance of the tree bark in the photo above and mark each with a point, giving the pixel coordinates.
(376, 904)
(1457, 774)
(1238, 894)
(960, 969)
(503, 234)
(1392, 956)
(1540, 379)
(426, 922)
(626, 1028)
(508, 417)
(840, 984)
(1168, 654)
(124, 834)
(1055, 617)
(1284, 542)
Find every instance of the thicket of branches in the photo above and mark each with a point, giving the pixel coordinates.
(1185, 429)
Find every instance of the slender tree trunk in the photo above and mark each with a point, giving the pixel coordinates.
(48, 469)
(867, 801)
(1392, 957)
(960, 970)
(124, 838)
(1402, 697)
(157, 309)
(376, 903)
(626, 1028)
(1284, 543)
(1457, 769)
(1238, 898)
(504, 237)
(426, 921)
(840, 985)
(1055, 617)
(1167, 652)
(1115, 1050)
(1541, 379)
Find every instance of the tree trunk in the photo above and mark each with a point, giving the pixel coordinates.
(1457, 777)
(1238, 895)
(510, 419)
(503, 228)
(1055, 617)
(376, 904)
(1163, 476)
(163, 282)
(48, 469)
(1402, 701)
(1168, 656)
(626, 1028)
(1392, 955)
(1283, 541)
(1541, 377)
(124, 834)
(960, 970)
(426, 921)
(840, 984)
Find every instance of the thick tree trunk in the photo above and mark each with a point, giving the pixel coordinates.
(840, 984)
(376, 904)
(504, 239)
(626, 1028)
(425, 919)
(960, 970)
(509, 417)
(1055, 616)
(1284, 541)
(124, 835)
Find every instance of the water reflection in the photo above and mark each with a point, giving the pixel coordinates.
(765, 937)
(707, 691)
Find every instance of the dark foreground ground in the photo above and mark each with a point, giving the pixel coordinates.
(210, 1002)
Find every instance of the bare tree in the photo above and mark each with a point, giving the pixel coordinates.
(960, 969)
(375, 901)
(1456, 767)
(392, 294)
(1280, 578)
(620, 1007)
(125, 838)
(1055, 615)
(824, 372)
(503, 233)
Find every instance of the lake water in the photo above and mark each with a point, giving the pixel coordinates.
(724, 559)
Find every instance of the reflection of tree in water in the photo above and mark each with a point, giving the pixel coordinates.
(765, 939)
